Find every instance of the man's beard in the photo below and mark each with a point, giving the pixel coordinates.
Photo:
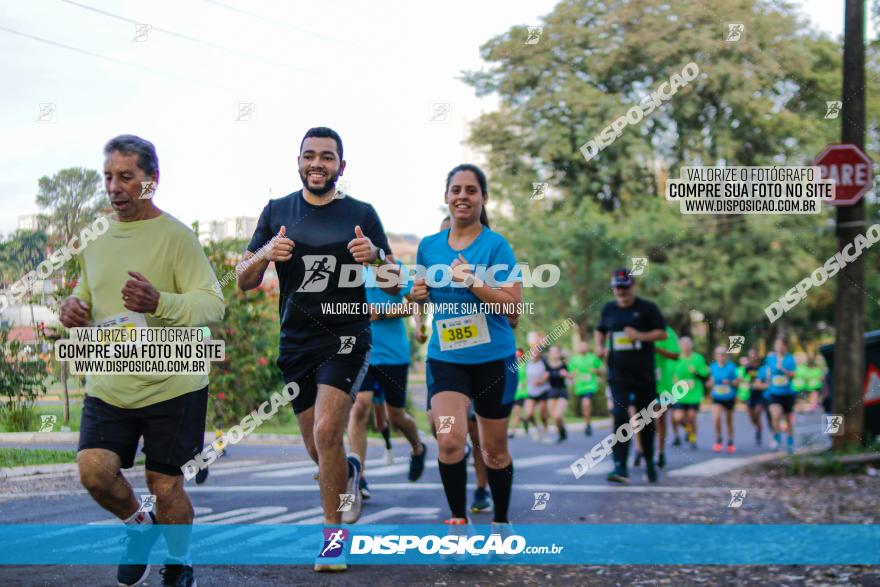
(329, 184)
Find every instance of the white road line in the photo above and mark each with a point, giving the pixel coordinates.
(602, 468)
(313, 468)
(421, 486)
(283, 519)
(397, 511)
(198, 511)
(239, 515)
(709, 468)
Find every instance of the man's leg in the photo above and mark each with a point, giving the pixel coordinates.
(357, 425)
(332, 407)
(101, 475)
(403, 423)
(306, 422)
(728, 414)
(644, 398)
(716, 421)
(173, 507)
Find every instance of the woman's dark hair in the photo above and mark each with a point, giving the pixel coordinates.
(481, 179)
(147, 159)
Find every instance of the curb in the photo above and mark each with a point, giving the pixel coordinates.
(28, 470)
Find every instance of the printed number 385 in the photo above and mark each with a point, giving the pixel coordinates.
(460, 333)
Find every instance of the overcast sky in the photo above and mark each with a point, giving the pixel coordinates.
(370, 70)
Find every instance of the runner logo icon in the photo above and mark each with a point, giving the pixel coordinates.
(446, 423)
(346, 345)
(147, 503)
(318, 271)
(47, 422)
(833, 424)
(334, 542)
(346, 500)
(541, 500)
(736, 344)
(737, 496)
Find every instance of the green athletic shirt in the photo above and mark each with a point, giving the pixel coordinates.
(683, 373)
(807, 378)
(744, 390)
(522, 391)
(168, 254)
(815, 378)
(664, 367)
(585, 381)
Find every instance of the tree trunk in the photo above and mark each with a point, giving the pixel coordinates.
(65, 394)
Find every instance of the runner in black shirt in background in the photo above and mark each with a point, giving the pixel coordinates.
(632, 324)
(317, 239)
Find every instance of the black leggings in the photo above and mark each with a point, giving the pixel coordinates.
(639, 395)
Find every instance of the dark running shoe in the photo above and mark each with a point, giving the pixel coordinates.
(650, 472)
(417, 464)
(618, 475)
(178, 576)
(365, 489)
(202, 476)
(140, 541)
(481, 502)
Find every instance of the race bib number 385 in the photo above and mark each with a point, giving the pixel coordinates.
(462, 332)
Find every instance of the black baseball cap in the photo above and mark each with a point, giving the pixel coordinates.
(622, 278)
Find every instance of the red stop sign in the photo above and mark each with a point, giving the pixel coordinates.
(851, 170)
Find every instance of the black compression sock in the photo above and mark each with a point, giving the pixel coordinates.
(386, 434)
(454, 479)
(501, 483)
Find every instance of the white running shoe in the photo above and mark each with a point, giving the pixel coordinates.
(353, 488)
(389, 458)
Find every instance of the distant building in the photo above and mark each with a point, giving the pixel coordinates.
(239, 227)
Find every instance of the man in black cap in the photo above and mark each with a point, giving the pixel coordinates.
(631, 325)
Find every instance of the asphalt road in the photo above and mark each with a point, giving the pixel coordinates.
(275, 485)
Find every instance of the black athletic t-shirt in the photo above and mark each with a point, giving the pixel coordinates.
(556, 380)
(311, 278)
(630, 361)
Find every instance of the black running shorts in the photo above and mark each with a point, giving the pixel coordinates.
(173, 430)
(491, 385)
(344, 371)
(388, 382)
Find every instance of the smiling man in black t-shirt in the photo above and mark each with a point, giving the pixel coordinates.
(317, 239)
(631, 325)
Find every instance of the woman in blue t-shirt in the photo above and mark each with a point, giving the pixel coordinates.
(723, 381)
(472, 352)
(780, 394)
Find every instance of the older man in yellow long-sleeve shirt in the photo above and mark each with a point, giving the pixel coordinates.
(148, 269)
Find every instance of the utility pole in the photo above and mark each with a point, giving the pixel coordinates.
(849, 307)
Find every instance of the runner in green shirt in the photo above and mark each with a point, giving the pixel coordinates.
(519, 398)
(814, 378)
(584, 368)
(691, 368)
(743, 391)
(666, 354)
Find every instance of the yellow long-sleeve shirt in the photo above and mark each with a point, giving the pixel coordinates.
(169, 255)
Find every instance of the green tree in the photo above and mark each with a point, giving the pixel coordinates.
(22, 376)
(248, 376)
(70, 200)
(760, 101)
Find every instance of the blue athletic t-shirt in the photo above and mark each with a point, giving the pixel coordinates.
(488, 249)
(723, 391)
(390, 344)
(780, 383)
